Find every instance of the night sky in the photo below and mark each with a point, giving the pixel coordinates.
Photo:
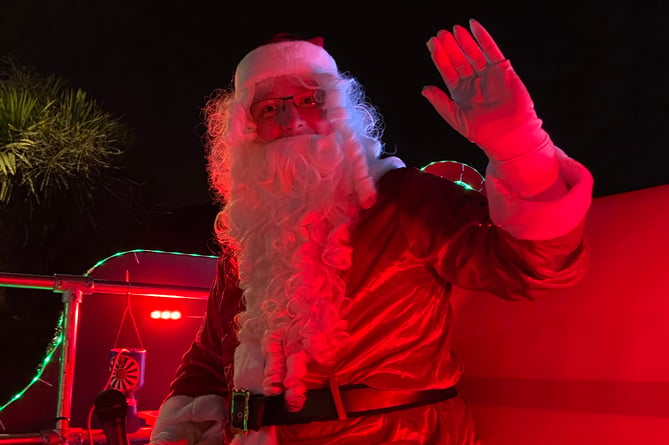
(596, 73)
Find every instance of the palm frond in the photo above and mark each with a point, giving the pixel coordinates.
(53, 138)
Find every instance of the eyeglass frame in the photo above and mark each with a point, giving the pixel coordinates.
(318, 95)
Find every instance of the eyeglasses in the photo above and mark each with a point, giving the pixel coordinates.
(268, 108)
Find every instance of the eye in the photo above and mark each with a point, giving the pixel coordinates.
(268, 108)
(305, 101)
(309, 99)
(265, 109)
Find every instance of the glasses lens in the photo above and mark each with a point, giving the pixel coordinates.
(265, 109)
(309, 99)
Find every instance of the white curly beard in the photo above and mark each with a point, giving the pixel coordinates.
(291, 205)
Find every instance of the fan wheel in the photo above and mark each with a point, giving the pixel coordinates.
(126, 374)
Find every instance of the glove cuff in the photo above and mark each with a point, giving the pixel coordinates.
(530, 173)
(535, 219)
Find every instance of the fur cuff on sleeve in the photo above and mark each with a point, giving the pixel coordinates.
(529, 219)
(191, 420)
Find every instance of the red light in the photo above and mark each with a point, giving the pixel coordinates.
(166, 315)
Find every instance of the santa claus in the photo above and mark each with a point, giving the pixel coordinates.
(329, 319)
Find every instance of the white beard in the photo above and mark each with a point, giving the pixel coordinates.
(292, 204)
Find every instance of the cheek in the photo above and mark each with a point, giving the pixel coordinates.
(320, 124)
(323, 128)
(268, 131)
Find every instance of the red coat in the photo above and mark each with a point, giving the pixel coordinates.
(423, 236)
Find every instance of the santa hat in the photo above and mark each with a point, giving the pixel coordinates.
(278, 59)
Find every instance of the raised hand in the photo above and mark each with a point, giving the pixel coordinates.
(488, 102)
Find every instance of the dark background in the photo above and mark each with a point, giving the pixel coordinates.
(596, 72)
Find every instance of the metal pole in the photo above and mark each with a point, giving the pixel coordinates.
(71, 301)
(60, 283)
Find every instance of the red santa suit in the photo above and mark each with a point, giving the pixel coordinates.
(423, 236)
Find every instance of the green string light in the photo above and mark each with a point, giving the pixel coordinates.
(464, 184)
(101, 262)
(50, 351)
(455, 181)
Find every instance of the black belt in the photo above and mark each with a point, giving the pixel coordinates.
(252, 411)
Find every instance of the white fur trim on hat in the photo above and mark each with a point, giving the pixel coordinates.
(280, 59)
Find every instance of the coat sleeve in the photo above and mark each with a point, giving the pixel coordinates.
(205, 366)
(451, 230)
(195, 409)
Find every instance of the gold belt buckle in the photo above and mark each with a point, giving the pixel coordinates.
(239, 411)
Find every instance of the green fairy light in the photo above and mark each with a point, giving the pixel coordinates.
(463, 168)
(101, 262)
(50, 351)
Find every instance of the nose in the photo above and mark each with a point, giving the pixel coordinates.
(289, 120)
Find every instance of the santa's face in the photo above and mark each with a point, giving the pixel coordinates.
(288, 106)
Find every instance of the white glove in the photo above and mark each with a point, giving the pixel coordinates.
(489, 105)
(184, 420)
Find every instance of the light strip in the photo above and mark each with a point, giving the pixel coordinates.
(101, 262)
(51, 349)
(458, 181)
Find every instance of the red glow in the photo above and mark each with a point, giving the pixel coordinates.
(579, 365)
